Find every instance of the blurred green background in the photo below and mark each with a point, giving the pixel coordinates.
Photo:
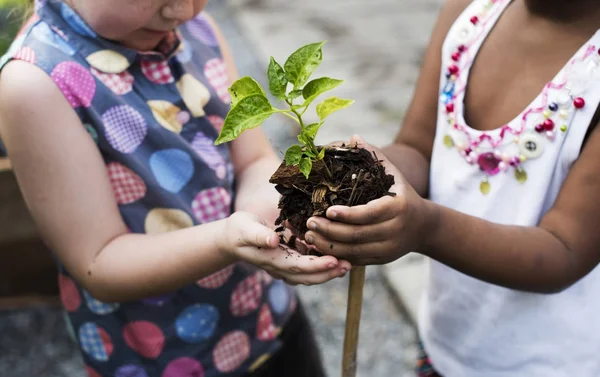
(12, 15)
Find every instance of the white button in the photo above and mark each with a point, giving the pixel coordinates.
(531, 145)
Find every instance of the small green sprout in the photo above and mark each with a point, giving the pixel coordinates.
(250, 106)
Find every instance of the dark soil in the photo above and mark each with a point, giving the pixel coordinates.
(357, 177)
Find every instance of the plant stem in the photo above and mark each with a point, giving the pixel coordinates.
(311, 144)
(287, 114)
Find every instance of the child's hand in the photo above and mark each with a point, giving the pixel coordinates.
(247, 238)
(376, 233)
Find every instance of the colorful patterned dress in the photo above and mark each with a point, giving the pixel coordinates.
(154, 117)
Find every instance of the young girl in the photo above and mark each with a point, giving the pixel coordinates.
(502, 137)
(109, 111)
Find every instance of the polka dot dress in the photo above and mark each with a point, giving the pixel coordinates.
(154, 117)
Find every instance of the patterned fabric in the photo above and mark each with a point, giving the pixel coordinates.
(424, 367)
(154, 117)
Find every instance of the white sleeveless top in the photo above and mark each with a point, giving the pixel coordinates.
(510, 175)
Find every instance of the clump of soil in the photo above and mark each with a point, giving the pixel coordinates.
(357, 177)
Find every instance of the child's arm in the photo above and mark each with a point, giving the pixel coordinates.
(546, 259)
(411, 151)
(65, 183)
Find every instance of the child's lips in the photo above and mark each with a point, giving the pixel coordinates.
(156, 33)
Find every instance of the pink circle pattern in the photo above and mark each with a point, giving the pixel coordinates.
(211, 205)
(246, 296)
(216, 121)
(118, 83)
(184, 367)
(231, 351)
(145, 338)
(26, 54)
(265, 329)
(217, 279)
(158, 72)
(216, 74)
(69, 294)
(127, 186)
(75, 82)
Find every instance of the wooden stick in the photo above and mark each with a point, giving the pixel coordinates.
(355, 298)
(5, 164)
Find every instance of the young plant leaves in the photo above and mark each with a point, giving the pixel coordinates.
(293, 155)
(277, 79)
(331, 105)
(305, 166)
(248, 113)
(317, 87)
(294, 94)
(302, 63)
(321, 154)
(244, 87)
(308, 134)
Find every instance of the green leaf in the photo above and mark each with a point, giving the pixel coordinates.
(248, 113)
(306, 166)
(317, 87)
(331, 105)
(294, 94)
(309, 153)
(321, 154)
(277, 79)
(293, 155)
(244, 87)
(302, 63)
(312, 129)
(308, 134)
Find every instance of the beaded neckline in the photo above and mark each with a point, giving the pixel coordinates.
(510, 146)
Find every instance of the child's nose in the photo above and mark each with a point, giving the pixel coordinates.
(178, 10)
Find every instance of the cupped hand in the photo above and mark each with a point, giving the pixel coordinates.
(378, 232)
(250, 240)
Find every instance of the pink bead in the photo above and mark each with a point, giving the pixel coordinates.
(462, 48)
(579, 102)
(539, 128)
(474, 20)
(548, 124)
(469, 160)
(550, 135)
(498, 155)
(450, 107)
(503, 166)
(456, 56)
(488, 163)
(453, 69)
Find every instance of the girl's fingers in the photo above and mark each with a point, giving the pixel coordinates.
(318, 278)
(376, 252)
(374, 212)
(258, 235)
(288, 261)
(336, 231)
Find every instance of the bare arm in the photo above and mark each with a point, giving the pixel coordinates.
(545, 259)
(548, 258)
(411, 151)
(65, 184)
